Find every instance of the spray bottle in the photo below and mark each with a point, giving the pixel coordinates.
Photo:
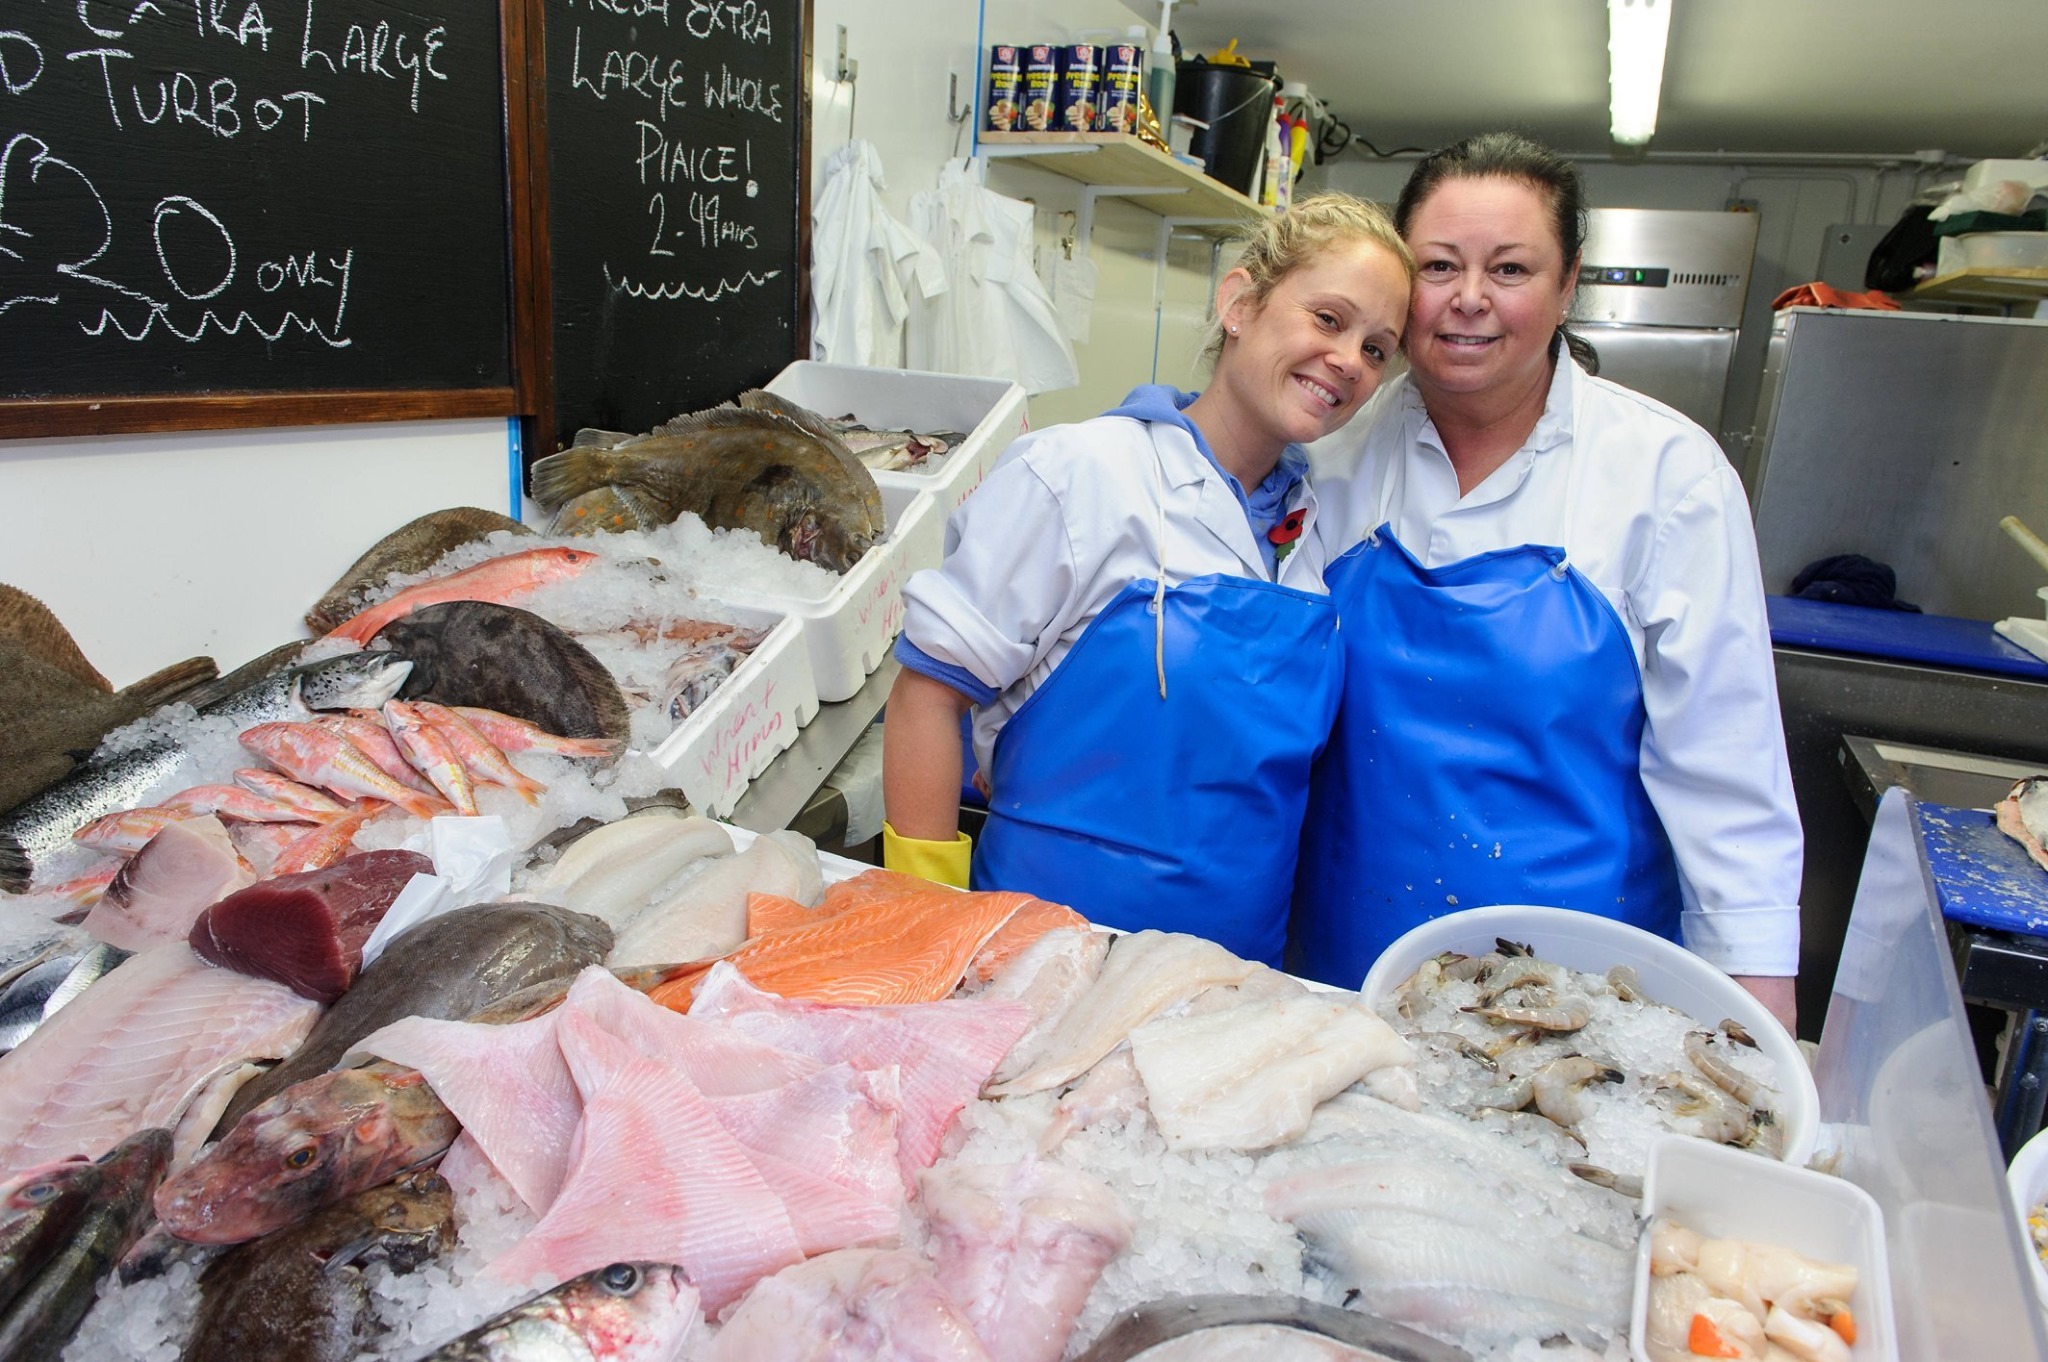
(1271, 193)
(1159, 71)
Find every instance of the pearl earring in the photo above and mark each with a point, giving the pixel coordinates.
(1233, 331)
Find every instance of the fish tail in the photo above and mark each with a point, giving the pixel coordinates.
(17, 866)
(569, 474)
(160, 688)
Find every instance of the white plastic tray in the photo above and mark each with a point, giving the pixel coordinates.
(753, 716)
(989, 410)
(848, 633)
(1726, 1194)
(1670, 974)
(2028, 1180)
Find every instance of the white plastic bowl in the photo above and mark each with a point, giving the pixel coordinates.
(2027, 1177)
(1726, 1194)
(1670, 975)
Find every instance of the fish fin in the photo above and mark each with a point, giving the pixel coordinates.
(760, 399)
(590, 438)
(348, 1255)
(28, 622)
(160, 688)
(614, 721)
(569, 474)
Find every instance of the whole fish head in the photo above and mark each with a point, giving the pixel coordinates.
(363, 680)
(310, 1146)
(404, 1222)
(626, 1312)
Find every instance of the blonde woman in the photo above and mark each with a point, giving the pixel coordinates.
(1133, 609)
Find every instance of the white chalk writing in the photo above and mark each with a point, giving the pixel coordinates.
(743, 18)
(375, 51)
(633, 288)
(637, 73)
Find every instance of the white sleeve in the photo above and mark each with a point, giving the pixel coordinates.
(1008, 579)
(1713, 753)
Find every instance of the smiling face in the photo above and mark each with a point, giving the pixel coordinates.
(1491, 289)
(1297, 365)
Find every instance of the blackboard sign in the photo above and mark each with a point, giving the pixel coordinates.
(202, 196)
(676, 160)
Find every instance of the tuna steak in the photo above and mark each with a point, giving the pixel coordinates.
(307, 931)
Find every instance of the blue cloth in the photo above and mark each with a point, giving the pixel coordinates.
(1851, 579)
(1487, 751)
(959, 678)
(1183, 812)
(1265, 504)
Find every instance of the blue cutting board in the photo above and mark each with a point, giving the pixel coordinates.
(1899, 636)
(1984, 878)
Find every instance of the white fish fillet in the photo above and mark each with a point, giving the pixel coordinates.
(636, 856)
(653, 1177)
(1049, 976)
(179, 873)
(508, 1085)
(707, 915)
(1251, 1076)
(857, 1305)
(1146, 973)
(943, 1051)
(135, 1050)
(1018, 1247)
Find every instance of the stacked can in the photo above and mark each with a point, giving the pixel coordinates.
(1080, 88)
(1041, 86)
(1123, 82)
(1005, 88)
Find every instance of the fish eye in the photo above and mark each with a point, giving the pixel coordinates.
(36, 1193)
(299, 1158)
(621, 1279)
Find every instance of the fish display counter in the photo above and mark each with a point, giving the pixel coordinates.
(380, 1000)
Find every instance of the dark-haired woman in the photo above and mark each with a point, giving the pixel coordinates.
(1559, 686)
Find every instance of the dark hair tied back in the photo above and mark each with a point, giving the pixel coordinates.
(1510, 156)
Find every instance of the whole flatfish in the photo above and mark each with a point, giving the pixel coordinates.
(628, 1312)
(33, 627)
(775, 469)
(411, 548)
(49, 718)
(447, 967)
(299, 1295)
(487, 656)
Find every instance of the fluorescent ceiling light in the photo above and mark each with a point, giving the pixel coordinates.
(1636, 32)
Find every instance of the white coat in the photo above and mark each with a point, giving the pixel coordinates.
(866, 267)
(1069, 517)
(995, 318)
(1662, 528)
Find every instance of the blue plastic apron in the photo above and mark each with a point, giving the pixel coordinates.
(1174, 806)
(1487, 751)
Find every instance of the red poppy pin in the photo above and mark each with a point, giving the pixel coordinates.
(1289, 528)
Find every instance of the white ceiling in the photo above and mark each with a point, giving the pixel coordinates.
(1968, 77)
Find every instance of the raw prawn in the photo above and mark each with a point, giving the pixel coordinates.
(1555, 1087)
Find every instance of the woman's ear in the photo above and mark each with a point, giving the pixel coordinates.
(1233, 300)
(1571, 284)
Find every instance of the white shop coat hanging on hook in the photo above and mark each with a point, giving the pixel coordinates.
(866, 266)
(996, 319)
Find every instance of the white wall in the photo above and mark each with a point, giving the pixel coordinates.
(154, 548)
(1795, 205)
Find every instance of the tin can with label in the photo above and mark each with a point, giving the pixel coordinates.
(1080, 88)
(1005, 88)
(1041, 85)
(1123, 81)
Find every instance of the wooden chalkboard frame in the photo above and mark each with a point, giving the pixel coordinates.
(531, 397)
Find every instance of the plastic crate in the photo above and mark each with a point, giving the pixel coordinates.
(848, 632)
(989, 410)
(750, 719)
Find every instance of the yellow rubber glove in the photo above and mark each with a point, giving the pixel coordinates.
(940, 862)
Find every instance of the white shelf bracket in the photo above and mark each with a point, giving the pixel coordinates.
(1167, 227)
(1084, 220)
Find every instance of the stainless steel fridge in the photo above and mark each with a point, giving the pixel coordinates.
(1660, 297)
(1906, 437)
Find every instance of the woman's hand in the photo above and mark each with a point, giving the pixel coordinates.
(1777, 993)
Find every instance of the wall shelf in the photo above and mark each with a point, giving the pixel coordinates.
(2011, 284)
(1172, 188)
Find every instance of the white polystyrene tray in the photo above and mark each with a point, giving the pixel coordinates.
(1726, 1194)
(848, 633)
(2027, 1177)
(989, 410)
(1670, 975)
(754, 714)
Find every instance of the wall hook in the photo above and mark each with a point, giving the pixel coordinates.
(955, 113)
